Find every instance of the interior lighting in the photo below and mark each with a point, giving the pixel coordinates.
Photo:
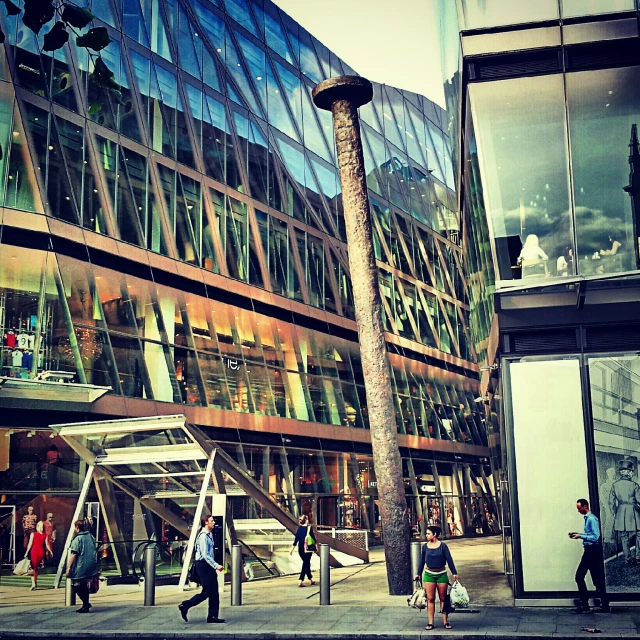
(31, 434)
(258, 77)
(606, 105)
(52, 435)
(9, 433)
(50, 147)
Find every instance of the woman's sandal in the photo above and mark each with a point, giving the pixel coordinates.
(429, 627)
(448, 626)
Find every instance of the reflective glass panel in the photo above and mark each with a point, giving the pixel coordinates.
(604, 110)
(522, 145)
(615, 405)
(479, 14)
(571, 8)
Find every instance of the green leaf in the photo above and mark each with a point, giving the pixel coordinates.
(96, 39)
(76, 16)
(12, 9)
(37, 13)
(56, 38)
(103, 76)
(95, 107)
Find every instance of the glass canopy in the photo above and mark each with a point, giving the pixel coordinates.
(155, 457)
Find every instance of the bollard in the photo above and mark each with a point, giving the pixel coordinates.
(69, 594)
(236, 575)
(325, 575)
(416, 549)
(150, 575)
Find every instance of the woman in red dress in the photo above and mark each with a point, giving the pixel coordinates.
(39, 547)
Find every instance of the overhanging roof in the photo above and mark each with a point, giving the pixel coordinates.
(45, 394)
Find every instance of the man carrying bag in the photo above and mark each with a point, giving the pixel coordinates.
(207, 569)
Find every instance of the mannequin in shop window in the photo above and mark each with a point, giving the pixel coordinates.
(533, 259)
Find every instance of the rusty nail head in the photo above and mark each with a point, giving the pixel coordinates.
(355, 89)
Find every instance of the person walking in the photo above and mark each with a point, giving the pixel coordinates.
(82, 564)
(207, 569)
(303, 531)
(434, 559)
(591, 559)
(39, 548)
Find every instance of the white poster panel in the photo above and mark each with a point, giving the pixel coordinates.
(551, 470)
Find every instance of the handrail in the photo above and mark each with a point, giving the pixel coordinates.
(244, 544)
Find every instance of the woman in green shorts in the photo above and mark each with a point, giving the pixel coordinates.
(435, 558)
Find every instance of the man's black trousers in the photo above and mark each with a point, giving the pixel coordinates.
(209, 581)
(591, 561)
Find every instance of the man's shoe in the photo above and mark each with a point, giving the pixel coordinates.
(83, 610)
(183, 612)
(581, 610)
(215, 620)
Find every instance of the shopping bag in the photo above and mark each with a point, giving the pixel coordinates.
(23, 567)
(447, 607)
(418, 599)
(94, 584)
(459, 596)
(193, 574)
(309, 541)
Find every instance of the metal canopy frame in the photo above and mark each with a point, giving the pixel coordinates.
(164, 457)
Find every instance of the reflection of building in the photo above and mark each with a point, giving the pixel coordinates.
(549, 98)
(185, 247)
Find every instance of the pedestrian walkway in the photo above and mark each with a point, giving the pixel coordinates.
(274, 609)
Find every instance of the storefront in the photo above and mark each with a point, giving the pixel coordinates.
(572, 430)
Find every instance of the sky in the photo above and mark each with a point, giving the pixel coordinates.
(389, 41)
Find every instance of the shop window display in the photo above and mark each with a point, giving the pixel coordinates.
(31, 322)
(615, 402)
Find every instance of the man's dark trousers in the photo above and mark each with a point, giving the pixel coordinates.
(591, 561)
(209, 581)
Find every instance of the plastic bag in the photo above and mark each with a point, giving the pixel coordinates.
(23, 567)
(459, 596)
(309, 541)
(418, 599)
(94, 583)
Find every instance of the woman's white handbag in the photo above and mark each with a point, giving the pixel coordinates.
(459, 596)
(418, 599)
(23, 567)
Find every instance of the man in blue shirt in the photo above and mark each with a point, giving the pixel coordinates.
(591, 559)
(207, 572)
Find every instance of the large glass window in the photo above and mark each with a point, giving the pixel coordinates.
(521, 131)
(571, 8)
(615, 406)
(479, 14)
(604, 110)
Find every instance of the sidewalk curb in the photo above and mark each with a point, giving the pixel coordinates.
(243, 635)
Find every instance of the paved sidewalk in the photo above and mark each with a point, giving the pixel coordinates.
(111, 621)
(278, 610)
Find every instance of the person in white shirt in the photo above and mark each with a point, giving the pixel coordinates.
(532, 258)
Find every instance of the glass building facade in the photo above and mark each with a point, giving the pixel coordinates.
(547, 107)
(182, 242)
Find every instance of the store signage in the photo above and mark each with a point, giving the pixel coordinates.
(372, 483)
(232, 364)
